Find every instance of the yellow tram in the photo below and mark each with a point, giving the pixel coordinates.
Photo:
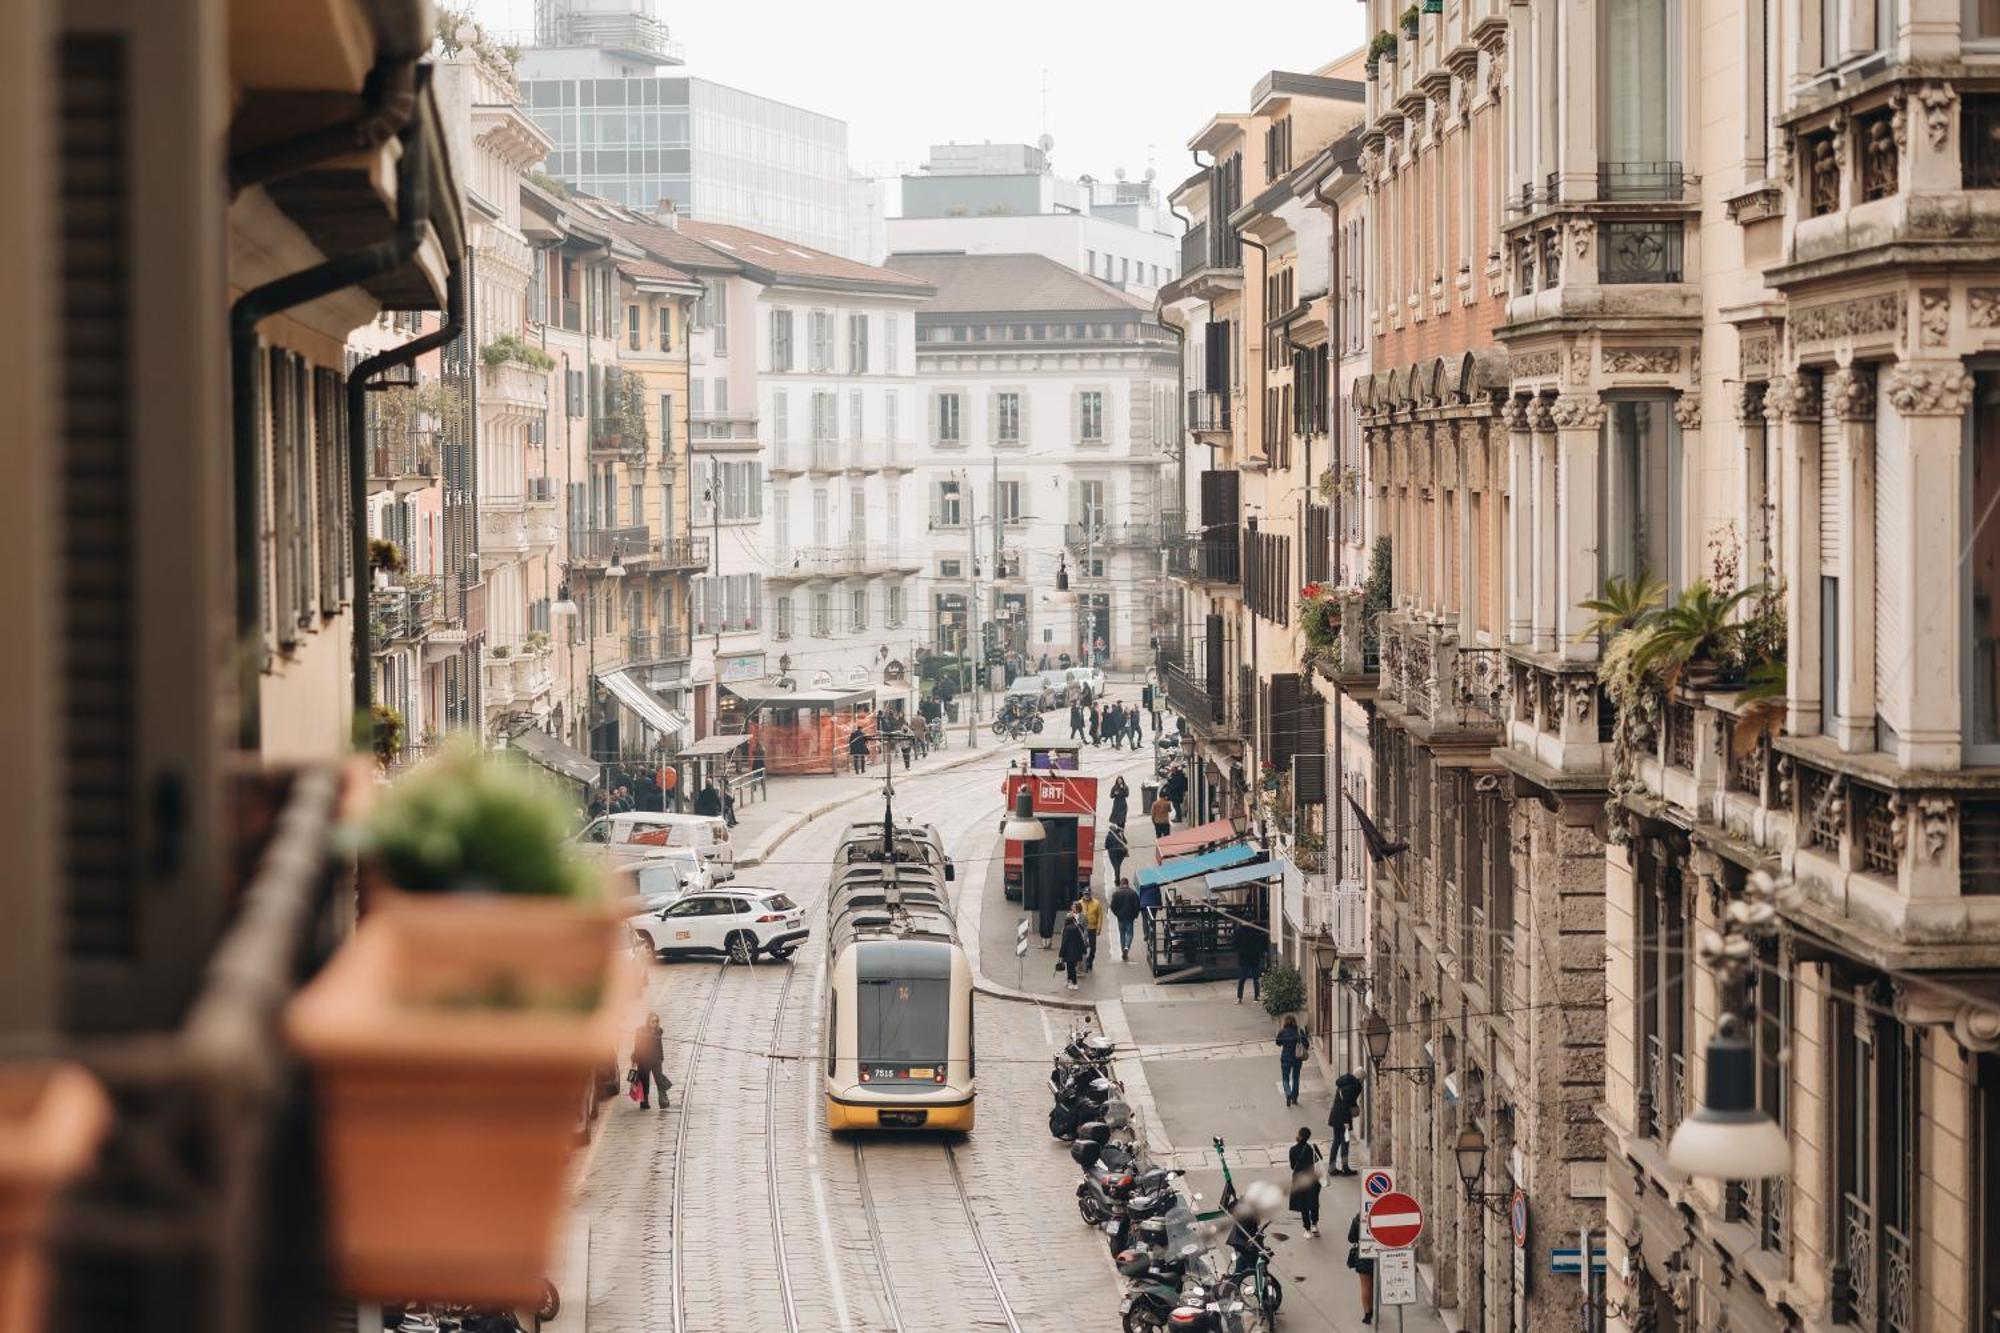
(898, 1037)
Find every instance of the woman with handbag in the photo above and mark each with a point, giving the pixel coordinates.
(1306, 1181)
(1364, 1269)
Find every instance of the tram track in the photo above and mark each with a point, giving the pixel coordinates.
(771, 1190)
(936, 1243)
(680, 1146)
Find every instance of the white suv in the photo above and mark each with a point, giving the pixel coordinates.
(737, 923)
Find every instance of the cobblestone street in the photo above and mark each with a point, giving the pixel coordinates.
(735, 1209)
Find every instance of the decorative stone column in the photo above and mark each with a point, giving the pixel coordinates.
(1752, 500)
(1928, 694)
(1472, 556)
(1403, 562)
(1791, 405)
(1521, 526)
(1687, 415)
(1547, 519)
(1579, 420)
(1851, 392)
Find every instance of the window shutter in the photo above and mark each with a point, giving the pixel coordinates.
(1075, 415)
(993, 415)
(1832, 486)
(756, 474)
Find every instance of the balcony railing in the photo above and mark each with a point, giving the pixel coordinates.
(1194, 248)
(689, 553)
(1213, 557)
(1639, 180)
(601, 545)
(1112, 535)
(717, 426)
(408, 455)
(1481, 680)
(1207, 411)
(1642, 251)
(1875, 1260)
(850, 560)
(1200, 702)
(572, 316)
(398, 615)
(661, 643)
(609, 436)
(1666, 1090)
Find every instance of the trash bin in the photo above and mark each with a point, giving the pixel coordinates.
(1148, 793)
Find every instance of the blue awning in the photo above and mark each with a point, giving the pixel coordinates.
(1188, 867)
(1247, 874)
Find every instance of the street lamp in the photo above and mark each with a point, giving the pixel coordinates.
(1470, 1150)
(1377, 1033)
(1061, 594)
(1022, 826)
(1728, 1137)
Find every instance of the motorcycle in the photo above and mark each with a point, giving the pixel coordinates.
(1078, 1099)
(1170, 1270)
(1107, 1188)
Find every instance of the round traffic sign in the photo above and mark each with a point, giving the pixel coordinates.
(1377, 1183)
(1517, 1213)
(1396, 1221)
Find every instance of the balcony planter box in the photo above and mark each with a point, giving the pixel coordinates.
(52, 1119)
(450, 1042)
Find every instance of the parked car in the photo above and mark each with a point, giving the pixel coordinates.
(666, 876)
(636, 834)
(1031, 691)
(1080, 677)
(738, 923)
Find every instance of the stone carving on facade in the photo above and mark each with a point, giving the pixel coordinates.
(1850, 391)
(1447, 456)
(1642, 360)
(1976, 1027)
(1582, 231)
(1982, 307)
(1778, 165)
(1930, 388)
(1541, 418)
(1791, 398)
(1864, 315)
(1934, 313)
(1899, 120)
(1579, 364)
(1582, 696)
(1687, 411)
(1837, 128)
(1937, 101)
(1781, 775)
(1496, 72)
(1934, 814)
(1472, 445)
(1368, 161)
(1515, 412)
(1577, 411)
(1749, 404)
(1756, 353)
(1530, 365)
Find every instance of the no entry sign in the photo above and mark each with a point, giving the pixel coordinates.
(1395, 1221)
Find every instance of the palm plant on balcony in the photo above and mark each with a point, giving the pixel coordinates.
(1624, 604)
(451, 1039)
(1699, 639)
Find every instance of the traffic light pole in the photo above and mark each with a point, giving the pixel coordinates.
(971, 616)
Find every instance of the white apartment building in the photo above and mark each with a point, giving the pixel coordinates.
(1050, 405)
(805, 482)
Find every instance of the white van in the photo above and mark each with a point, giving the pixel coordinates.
(637, 834)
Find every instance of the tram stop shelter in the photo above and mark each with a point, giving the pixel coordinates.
(1192, 906)
(799, 730)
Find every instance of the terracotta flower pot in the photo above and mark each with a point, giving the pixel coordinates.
(52, 1119)
(451, 1040)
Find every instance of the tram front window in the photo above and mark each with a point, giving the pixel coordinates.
(904, 1028)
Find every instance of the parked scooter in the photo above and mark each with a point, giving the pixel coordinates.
(1081, 1097)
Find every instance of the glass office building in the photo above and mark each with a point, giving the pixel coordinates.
(720, 154)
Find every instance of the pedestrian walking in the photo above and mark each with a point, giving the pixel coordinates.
(1364, 1269)
(649, 1063)
(708, 801)
(1096, 723)
(1132, 731)
(1175, 787)
(857, 749)
(1163, 816)
(920, 733)
(1076, 720)
(1125, 908)
(1293, 1047)
(1120, 794)
(1346, 1107)
(1306, 1181)
(670, 787)
(1249, 960)
(1117, 848)
(1075, 944)
(1093, 921)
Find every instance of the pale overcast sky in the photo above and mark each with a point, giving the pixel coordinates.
(1125, 82)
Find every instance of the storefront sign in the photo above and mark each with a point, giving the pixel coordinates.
(740, 666)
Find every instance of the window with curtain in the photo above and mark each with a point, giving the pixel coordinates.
(1640, 501)
(1637, 91)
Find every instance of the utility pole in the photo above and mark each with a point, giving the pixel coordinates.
(972, 613)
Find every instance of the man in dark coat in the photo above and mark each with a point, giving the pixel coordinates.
(1120, 794)
(1346, 1106)
(649, 1061)
(857, 749)
(708, 801)
(1117, 847)
(1096, 721)
(1125, 907)
(1076, 721)
(1249, 960)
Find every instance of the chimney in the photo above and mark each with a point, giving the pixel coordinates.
(667, 215)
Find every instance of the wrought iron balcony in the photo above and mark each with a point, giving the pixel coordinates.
(1144, 536)
(723, 427)
(661, 643)
(1200, 701)
(401, 460)
(1640, 180)
(1214, 557)
(1207, 411)
(1452, 688)
(601, 545)
(1194, 248)
(682, 553)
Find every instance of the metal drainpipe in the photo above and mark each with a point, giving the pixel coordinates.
(357, 477)
(1255, 776)
(247, 406)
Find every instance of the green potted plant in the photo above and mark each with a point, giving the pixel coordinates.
(1698, 639)
(1282, 990)
(452, 1037)
(1624, 604)
(1410, 23)
(384, 556)
(1383, 47)
(500, 651)
(385, 734)
(506, 347)
(52, 1119)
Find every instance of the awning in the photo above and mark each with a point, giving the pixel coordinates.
(1188, 867)
(1243, 874)
(558, 758)
(1196, 838)
(769, 694)
(669, 722)
(710, 746)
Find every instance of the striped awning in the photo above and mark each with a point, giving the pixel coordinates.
(670, 723)
(1189, 867)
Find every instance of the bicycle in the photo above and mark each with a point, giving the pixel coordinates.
(1250, 1279)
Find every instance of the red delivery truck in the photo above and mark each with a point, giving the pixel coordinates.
(1065, 801)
